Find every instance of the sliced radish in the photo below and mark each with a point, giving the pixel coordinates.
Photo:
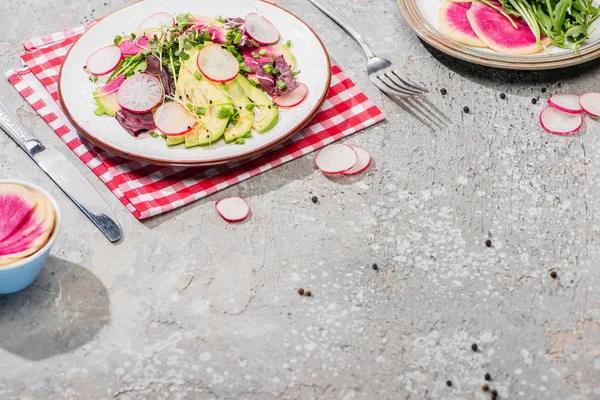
(336, 159)
(261, 29)
(292, 98)
(590, 103)
(362, 163)
(157, 21)
(173, 119)
(560, 122)
(568, 103)
(140, 93)
(103, 61)
(217, 64)
(233, 209)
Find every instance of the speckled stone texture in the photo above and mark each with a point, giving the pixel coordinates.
(189, 307)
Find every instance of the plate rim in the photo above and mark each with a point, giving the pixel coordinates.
(223, 160)
(430, 35)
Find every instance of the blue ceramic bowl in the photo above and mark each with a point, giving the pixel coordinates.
(17, 276)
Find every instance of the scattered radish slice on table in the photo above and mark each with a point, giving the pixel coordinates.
(233, 209)
(157, 21)
(217, 64)
(336, 159)
(140, 93)
(173, 119)
(103, 61)
(590, 103)
(559, 122)
(261, 29)
(568, 103)
(293, 98)
(362, 163)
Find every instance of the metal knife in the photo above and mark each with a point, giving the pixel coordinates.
(63, 173)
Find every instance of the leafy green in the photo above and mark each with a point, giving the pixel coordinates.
(566, 22)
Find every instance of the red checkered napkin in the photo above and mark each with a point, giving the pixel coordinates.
(148, 190)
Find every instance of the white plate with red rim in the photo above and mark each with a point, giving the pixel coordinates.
(422, 16)
(76, 98)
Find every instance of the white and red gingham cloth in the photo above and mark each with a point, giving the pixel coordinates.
(148, 190)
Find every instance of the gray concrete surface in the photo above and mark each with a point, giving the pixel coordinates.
(188, 307)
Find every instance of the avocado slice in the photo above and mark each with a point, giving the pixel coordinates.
(107, 103)
(210, 96)
(246, 117)
(175, 140)
(269, 114)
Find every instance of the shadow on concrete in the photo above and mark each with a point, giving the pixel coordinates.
(62, 310)
(263, 183)
(490, 77)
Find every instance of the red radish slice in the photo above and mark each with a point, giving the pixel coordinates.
(233, 209)
(217, 64)
(140, 93)
(362, 163)
(261, 29)
(336, 159)
(559, 122)
(103, 61)
(497, 32)
(157, 21)
(16, 205)
(590, 103)
(568, 103)
(173, 119)
(453, 23)
(293, 98)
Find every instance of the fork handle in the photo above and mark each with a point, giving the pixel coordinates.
(347, 28)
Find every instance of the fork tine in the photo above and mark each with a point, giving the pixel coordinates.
(409, 83)
(402, 86)
(395, 90)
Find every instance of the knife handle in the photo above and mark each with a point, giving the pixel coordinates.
(10, 124)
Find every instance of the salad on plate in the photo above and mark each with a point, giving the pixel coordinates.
(518, 27)
(192, 79)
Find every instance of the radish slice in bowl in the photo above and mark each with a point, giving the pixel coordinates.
(590, 103)
(260, 29)
(173, 119)
(103, 61)
(140, 93)
(362, 163)
(293, 98)
(568, 103)
(336, 159)
(559, 122)
(233, 209)
(157, 21)
(217, 64)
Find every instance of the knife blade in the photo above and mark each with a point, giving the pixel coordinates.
(68, 178)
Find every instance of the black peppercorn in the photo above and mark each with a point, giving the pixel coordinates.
(443, 92)
(553, 274)
(375, 266)
(534, 101)
(487, 377)
(466, 109)
(488, 243)
(474, 346)
(502, 96)
(448, 383)
(543, 90)
(494, 394)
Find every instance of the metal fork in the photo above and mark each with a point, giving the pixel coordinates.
(380, 71)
